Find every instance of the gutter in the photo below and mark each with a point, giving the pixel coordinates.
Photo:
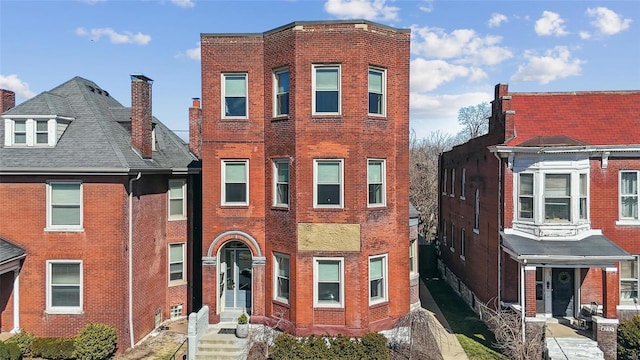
(131, 257)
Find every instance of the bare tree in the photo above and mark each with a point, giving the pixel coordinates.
(475, 120)
(415, 336)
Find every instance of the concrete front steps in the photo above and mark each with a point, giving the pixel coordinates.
(573, 349)
(216, 346)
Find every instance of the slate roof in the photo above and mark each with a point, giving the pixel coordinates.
(98, 137)
(595, 118)
(10, 251)
(592, 249)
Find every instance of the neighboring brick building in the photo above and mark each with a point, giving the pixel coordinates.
(542, 211)
(304, 146)
(94, 213)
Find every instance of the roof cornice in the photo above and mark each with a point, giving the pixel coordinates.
(632, 150)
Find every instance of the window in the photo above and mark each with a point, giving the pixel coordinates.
(64, 286)
(463, 244)
(177, 203)
(176, 311)
(281, 277)
(326, 87)
(176, 263)
(413, 259)
(42, 132)
(235, 95)
(444, 181)
(328, 183)
(582, 211)
(328, 282)
(27, 132)
(65, 205)
(452, 243)
(463, 183)
(525, 197)
(20, 132)
(281, 91)
(476, 212)
(376, 182)
(629, 281)
(377, 86)
(453, 182)
(557, 197)
(377, 279)
(629, 195)
(236, 184)
(281, 182)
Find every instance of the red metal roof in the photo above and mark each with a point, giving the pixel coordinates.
(597, 118)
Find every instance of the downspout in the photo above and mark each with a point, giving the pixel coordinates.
(522, 301)
(131, 257)
(499, 227)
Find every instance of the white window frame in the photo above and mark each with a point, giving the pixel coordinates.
(382, 183)
(453, 183)
(175, 183)
(531, 196)
(276, 182)
(463, 183)
(444, 181)
(452, 243)
(183, 261)
(30, 132)
(223, 89)
(223, 189)
(463, 244)
(622, 220)
(635, 280)
(276, 276)
(316, 67)
(476, 212)
(384, 297)
(321, 304)
(382, 93)
(277, 94)
(50, 205)
(316, 183)
(49, 295)
(413, 256)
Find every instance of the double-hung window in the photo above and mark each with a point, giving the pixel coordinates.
(444, 181)
(64, 286)
(629, 199)
(28, 132)
(328, 179)
(281, 92)
(463, 243)
(557, 197)
(281, 277)
(328, 282)
(177, 203)
(583, 194)
(463, 183)
(281, 182)
(20, 132)
(176, 263)
(525, 196)
(453, 182)
(42, 132)
(376, 174)
(377, 279)
(326, 88)
(64, 205)
(629, 281)
(452, 241)
(377, 86)
(235, 95)
(476, 212)
(235, 189)
(413, 259)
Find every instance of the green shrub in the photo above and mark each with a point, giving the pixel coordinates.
(23, 340)
(285, 346)
(629, 339)
(4, 351)
(375, 346)
(96, 342)
(371, 346)
(14, 351)
(243, 319)
(53, 348)
(343, 347)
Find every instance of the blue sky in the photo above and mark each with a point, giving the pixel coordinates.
(459, 50)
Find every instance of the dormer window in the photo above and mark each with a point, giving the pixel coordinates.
(30, 132)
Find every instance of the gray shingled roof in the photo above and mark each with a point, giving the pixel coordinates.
(10, 251)
(98, 137)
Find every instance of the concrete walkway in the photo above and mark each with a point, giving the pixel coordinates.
(447, 341)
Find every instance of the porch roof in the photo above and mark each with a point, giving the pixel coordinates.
(593, 250)
(10, 251)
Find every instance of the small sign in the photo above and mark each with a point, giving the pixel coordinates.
(607, 329)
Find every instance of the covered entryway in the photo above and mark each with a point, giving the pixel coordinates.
(563, 292)
(235, 278)
(11, 256)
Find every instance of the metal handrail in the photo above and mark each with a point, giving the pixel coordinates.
(175, 353)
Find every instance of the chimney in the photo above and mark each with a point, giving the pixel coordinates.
(7, 100)
(195, 128)
(141, 114)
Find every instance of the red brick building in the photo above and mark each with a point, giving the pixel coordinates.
(94, 213)
(542, 212)
(304, 147)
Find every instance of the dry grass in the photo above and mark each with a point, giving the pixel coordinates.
(159, 345)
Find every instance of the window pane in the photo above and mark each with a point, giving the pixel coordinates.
(328, 172)
(235, 106)
(375, 81)
(282, 194)
(283, 104)
(235, 173)
(283, 81)
(327, 79)
(65, 274)
(41, 126)
(283, 266)
(628, 269)
(375, 171)
(235, 193)
(175, 253)
(283, 288)
(235, 86)
(283, 171)
(329, 292)
(375, 103)
(557, 185)
(526, 184)
(375, 194)
(629, 207)
(329, 194)
(327, 101)
(175, 207)
(328, 271)
(42, 138)
(20, 138)
(65, 215)
(175, 189)
(65, 193)
(557, 209)
(20, 126)
(583, 185)
(375, 268)
(65, 296)
(526, 208)
(628, 290)
(175, 271)
(629, 184)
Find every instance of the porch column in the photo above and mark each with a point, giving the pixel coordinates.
(530, 291)
(611, 292)
(210, 287)
(16, 301)
(258, 285)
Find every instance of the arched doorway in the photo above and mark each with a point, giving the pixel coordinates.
(235, 278)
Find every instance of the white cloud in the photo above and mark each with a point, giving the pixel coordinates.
(463, 46)
(426, 6)
(496, 20)
(584, 35)
(361, 9)
(12, 82)
(554, 64)
(607, 21)
(193, 54)
(431, 112)
(427, 75)
(184, 3)
(125, 37)
(550, 24)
